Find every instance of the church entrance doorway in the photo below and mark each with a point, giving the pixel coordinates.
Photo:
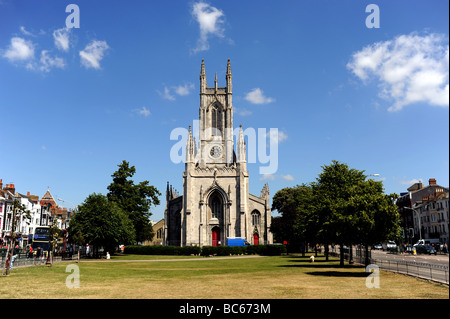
(215, 234)
(255, 239)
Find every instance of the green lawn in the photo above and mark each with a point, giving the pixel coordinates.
(281, 277)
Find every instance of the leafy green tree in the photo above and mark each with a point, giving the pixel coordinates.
(18, 212)
(377, 218)
(134, 199)
(101, 223)
(293, 204)
(353, 210)
(332, 190)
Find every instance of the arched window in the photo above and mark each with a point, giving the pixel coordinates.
(216, 120)
(216, 206)
(256, 218)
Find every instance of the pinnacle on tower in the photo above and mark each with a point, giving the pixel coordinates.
(215, 82)
(241, 146)
(228, 77)
(202, 77)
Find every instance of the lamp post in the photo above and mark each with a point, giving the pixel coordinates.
(418, 212)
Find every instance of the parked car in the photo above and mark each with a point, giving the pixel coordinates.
(426, 249)
(390, 246)
(377, 247)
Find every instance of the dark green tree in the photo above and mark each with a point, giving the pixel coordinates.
(377, 218)
(134, 199)
(332, 190)
(293, 203)
(353, 210)
(101, 223)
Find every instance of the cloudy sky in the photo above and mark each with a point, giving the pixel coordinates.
(78, 96)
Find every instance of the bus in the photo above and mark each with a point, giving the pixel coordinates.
(40, 238)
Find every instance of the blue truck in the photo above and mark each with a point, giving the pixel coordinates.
(237, 241)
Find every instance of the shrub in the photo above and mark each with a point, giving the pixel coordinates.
(265, 250)
(162, 250)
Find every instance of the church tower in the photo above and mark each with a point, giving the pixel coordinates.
(216, 119)
(216, 203)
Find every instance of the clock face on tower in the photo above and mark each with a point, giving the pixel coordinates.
(215, 151)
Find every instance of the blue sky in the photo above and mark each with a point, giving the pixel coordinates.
(76, 102)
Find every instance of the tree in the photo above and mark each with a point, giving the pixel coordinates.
(351, 209)
(135, 200)
(102, 223)
(332, 191)
(377, 217)
(18, 212)
(54, 232)
(293, 203)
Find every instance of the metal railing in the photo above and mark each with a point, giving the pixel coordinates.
(438, 273)
(24, 261)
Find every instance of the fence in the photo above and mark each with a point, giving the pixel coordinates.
(438, 273)
(22, 260)
(358, 255)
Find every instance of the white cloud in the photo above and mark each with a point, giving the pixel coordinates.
(166, 94)
(19, 50)
(61, 38)
(143, 111)
(411, 182)
(256, 96)
(410, 68)
(181, 90)
(22, 29)
(242, 112)
(210, 20)
(184, 89)
(273, 177)
(276, 136)
(268, 177)
(93, 53)
(47, 62)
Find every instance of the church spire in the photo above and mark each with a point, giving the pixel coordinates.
(190, 147)
(241, 147)
(216, 85)
(203, 78)
(229, 78)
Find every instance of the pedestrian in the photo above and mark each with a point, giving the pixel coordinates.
(108, 256)
(38, 254)
(15, 253)
(87, 250)
(30, 252)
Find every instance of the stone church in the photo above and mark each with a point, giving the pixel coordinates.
(216, 203)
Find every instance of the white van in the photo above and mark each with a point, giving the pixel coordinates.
(434, 241)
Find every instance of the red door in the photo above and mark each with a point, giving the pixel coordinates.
(255, 239)
(215, 236)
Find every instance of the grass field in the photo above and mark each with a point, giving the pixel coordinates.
(171, 277)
